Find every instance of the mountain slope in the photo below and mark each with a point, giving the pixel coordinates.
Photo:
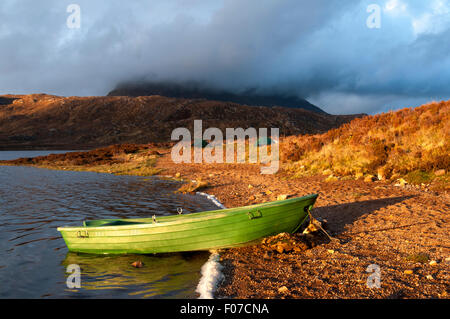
(39, 120)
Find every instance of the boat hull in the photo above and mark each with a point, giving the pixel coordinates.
(190, 232)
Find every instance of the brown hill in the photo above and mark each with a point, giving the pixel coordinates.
(47, 121)
(413, 143)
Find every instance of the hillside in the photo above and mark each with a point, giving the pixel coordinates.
(191, 91)
(413, 143)
(47, 121)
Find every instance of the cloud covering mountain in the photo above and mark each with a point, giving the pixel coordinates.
(321, 50)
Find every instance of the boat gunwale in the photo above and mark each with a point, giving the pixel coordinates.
(290, 214)
(194, 217)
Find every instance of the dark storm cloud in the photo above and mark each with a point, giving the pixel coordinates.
(320, 49)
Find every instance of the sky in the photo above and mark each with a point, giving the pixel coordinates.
(340, 55)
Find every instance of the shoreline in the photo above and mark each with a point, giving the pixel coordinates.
(402, 230)
(398, 228)
(211, 271)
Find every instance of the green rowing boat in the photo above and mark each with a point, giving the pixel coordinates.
(216, 229)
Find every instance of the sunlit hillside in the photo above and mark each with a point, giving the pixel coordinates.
(412, 143)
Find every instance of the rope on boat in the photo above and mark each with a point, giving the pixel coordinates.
(314, 221)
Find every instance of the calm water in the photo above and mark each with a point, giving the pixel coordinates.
(33, 256)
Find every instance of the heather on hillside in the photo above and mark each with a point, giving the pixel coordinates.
(54, 122)
(413, 143)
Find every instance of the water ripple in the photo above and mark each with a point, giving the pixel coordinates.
(33, 256)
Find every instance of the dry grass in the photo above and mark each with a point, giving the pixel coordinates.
(132, 167)
(124, 159)
(412, 143)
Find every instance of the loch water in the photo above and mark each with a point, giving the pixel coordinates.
(34, 257)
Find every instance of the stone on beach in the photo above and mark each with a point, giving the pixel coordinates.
(440, 172)
(369, 178)
(283, 290)
(401, 182)
(282, 197)
(331, 178)
(138, 264)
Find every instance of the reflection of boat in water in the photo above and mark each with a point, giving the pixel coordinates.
(199, 231)
(163, 276)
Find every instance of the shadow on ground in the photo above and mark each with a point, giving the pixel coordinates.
(339, 216)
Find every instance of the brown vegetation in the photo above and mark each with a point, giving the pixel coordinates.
(123, 159)
(412, 142)
(407, 146)
(53, 122)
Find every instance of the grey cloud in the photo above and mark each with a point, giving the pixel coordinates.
(319, 49)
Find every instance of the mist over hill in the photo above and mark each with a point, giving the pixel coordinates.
(251, 97)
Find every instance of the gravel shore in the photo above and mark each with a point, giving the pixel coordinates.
(402, 230)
